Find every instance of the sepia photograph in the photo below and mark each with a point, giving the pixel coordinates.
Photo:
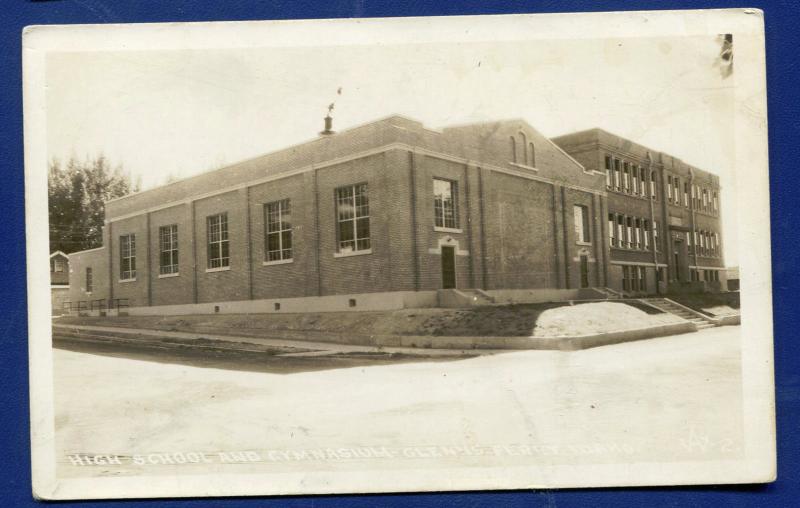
(396, 255)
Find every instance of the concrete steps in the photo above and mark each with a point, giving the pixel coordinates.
(668, 305)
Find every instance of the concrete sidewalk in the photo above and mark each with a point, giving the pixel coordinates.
(320, 348)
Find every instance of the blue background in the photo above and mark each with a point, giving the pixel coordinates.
(783, 80)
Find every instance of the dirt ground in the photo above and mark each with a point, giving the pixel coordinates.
(525, 320)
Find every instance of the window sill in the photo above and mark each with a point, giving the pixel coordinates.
(352, 253)
(218, 269)
(524, 166)
(447, 230)
(585, 244)
(168, 275)
(278, 262)
(122, 281)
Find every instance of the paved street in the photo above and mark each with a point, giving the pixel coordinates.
(677, 398)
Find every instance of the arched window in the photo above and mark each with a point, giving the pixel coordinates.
(513, 149)
(532, 154)
(523, 144)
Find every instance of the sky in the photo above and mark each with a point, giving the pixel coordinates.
(176, 113)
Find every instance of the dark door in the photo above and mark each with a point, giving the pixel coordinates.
(448, 267)
(584, 271)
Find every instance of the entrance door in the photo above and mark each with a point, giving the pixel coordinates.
(448, 267)
(584, 271)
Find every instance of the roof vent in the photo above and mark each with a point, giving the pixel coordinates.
(328, 125)
(329, 119)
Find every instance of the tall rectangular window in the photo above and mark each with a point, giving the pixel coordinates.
(669, 188)
(617, 171)
(646, 228)
(686, 194)
(627, 177)
(127, 257)
(625, 278)
(655, 236)
(445, 203)
(352, 213)
(89, 281)
(705, 199)
(653, 194)
(642, 278)
(581, 219)
(278, 230)
(637, 231)
(620, 231)
(612, 237)
(629, 224)
(635, 178)
(677, 196)
(716, 201)
(609, 171)
(643, 177)
(168, 249)
(716, 244)
(218, 244)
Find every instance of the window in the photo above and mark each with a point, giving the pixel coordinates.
(627, 178)
(445, 198)
(669, 188)
(643, 177)
(646, 227)
(694, 196)
(218, 243)
(581, 216)
(634, 275)
(655, 235)
(629, 223)
(532, 154)
(513, 149)
(609, 172)
(168, 249)
(612, 237)
(617, 174)
(716, 201)
(523, 146)
(677, 196)
(653, 185)
(89, 281)
(705, 199)
(642, 278)
(625, 278)
(127, 257)
(716, 243)
(620, 231)
(686, 194)
(278, 233)
(58, 265)
(352, 212)
(637, 230)
(635, 174)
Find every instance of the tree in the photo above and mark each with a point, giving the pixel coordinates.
(76, 196)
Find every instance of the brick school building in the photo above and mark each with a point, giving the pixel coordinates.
(392, 214)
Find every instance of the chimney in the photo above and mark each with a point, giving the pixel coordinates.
(328, 126)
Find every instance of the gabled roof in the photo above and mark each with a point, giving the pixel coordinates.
(59, 253)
